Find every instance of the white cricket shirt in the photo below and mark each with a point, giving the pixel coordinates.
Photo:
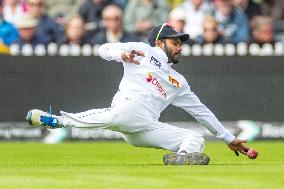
(155, 85)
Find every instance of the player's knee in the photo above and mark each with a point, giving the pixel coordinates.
(192, 144)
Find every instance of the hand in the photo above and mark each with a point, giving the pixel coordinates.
(238, 145)
(129, 56)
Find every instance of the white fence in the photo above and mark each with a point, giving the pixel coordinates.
(240, 49)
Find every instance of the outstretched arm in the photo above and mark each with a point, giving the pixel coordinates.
(190, 103)
(122, 52)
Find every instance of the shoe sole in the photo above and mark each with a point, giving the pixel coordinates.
(31, 120)
(29, 117)
(187, 159)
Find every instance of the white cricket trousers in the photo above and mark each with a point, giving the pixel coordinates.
(138, 127)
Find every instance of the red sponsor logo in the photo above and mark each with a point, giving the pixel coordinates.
(154, 81)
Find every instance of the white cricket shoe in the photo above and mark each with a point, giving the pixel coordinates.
(40, 118)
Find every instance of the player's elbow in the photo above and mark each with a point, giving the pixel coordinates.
(102, 49)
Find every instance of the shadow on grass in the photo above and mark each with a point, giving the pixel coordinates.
(242, 164)
(161, 164)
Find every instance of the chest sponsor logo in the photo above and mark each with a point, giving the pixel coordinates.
(155, 62)
(174, 82)
(154, 81)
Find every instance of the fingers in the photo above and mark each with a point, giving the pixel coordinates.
(237, 153)
(243, 149)
(134, 53)
(137, 53)
(246, 149)
(129, 56)
(239, 146)
(242, 152)
(135, 62)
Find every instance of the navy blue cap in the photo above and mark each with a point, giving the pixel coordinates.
(166, 32)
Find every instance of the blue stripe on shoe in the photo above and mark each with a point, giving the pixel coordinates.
(49, 120)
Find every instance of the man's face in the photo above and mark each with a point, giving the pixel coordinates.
(264, 34)
(27, 34)
(75, 29)
(210, 31)
(196, 3)
(177, 24)
(12, 2)
(224, 6)
(36, 8)
(112, 19)
(172, 48)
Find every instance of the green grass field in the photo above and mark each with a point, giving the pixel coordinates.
(119, 165)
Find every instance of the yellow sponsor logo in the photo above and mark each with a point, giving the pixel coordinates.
(174, 82)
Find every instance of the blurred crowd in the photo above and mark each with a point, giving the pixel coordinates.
(93, 22)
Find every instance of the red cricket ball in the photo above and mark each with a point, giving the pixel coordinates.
(252, 154)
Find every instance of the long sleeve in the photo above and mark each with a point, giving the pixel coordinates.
(188, 101)
(113, 51)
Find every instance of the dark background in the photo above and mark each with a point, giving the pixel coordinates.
(234, 88)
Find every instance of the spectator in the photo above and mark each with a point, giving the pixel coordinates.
(232, 23)
(261, 30)
(91, 11)
(113, 31)
(61, 11)
(249, 7)
(26, 25)
(210, 32)
(196, 10)
(174, 3)
(47, 30)
(141, 15)
(4, 49)
(121, 3)
(8, 33)
(13, 10)
(177, 20)
(273, 8)
(74, 32)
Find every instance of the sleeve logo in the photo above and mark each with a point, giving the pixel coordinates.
(174, 82)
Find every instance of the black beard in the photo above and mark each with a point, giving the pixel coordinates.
(171, 58)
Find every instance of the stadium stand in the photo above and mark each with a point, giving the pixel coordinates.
(52, 39)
